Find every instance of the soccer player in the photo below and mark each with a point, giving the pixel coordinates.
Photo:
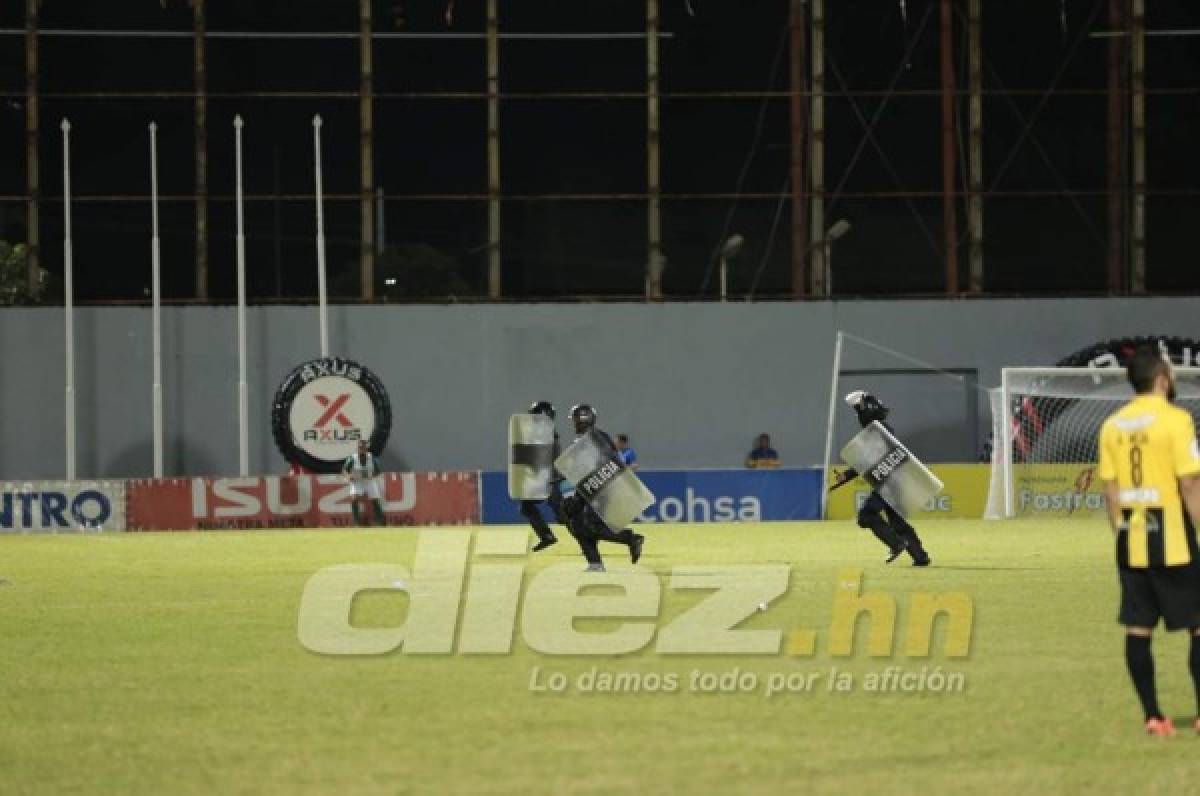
(582, 520)
(363, 471)
(628, 454)
(531, 509)
(1150, 466)
(888, 525)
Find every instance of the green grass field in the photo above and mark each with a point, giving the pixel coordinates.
(169, 663)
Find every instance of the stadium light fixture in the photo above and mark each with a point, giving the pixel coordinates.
(839, 230)
(729, 251)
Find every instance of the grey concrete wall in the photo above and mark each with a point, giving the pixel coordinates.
(692, 383)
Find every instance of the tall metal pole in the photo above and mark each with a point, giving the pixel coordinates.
(1138, 100)
(156, 304)
(366, 93)
(830, 421)
(1116, 145)
(68, 301)
(380, 220)
(320, 201)
(799, 153)
(654, 251)
(243, 407)
(975, 201)
(200, 136)
(817, 148)
(949, 219)
(493, 148)
(33, 249)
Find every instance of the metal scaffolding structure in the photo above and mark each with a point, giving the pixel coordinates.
(814, 80)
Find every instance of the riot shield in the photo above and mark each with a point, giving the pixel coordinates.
(600, 478)
(899, 477)
(531, 456)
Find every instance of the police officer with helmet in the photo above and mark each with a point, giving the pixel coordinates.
(888, 525)
(581, 519)
(531, 509)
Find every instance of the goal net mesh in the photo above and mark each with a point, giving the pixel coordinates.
(1046, 423)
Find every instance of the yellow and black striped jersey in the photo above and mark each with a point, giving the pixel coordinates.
(1146, 446)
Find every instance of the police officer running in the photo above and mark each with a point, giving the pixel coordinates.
(581, 519)
(888, 525)
(531, 509)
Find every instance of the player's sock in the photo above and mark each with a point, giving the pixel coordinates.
(1140, 661)
(380, 517)
(1194, 667)
(357, 512)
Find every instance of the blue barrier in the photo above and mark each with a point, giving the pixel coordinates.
(698, 496)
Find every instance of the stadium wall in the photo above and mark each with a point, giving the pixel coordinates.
(692, 383)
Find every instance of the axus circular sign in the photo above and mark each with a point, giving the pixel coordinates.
(324, 407)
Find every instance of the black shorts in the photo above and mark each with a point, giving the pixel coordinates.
(1168, 593)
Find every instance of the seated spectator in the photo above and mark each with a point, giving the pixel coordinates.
(628, 454)
(763, 457)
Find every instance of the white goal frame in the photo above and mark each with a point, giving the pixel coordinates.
(1003, 424)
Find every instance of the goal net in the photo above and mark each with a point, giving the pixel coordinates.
(1045, 426)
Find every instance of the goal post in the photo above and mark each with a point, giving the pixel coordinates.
(1045, 427)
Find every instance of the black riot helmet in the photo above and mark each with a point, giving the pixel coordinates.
(867, 407)
(542, 408)
(584, 418)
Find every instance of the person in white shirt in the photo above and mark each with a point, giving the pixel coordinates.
(363, 472)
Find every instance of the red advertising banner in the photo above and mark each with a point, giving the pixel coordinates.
(301, 501)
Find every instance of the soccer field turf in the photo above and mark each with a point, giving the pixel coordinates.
(170, 663)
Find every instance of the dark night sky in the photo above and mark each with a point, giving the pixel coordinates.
(549, 146)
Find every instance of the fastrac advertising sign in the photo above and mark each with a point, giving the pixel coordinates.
(697, 496)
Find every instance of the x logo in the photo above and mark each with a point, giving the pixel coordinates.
(333, 409)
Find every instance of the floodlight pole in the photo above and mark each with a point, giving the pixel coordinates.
(33, 251)
(200, 144)
(949, 215)
(156, 305)
(1137, 97)
(243, 409)
(975, 145)
(493, 149)
(798, 154)
(322, 310)
(1116, 145)
(68, 301)
(816, 163)
(366, 115)
(654, 254)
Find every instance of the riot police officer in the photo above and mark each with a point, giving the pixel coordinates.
(888, 525)
(581, 519)
(531, 510)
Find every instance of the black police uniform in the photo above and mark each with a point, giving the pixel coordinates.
(888, 525)
(531, 509)
(588, 528)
